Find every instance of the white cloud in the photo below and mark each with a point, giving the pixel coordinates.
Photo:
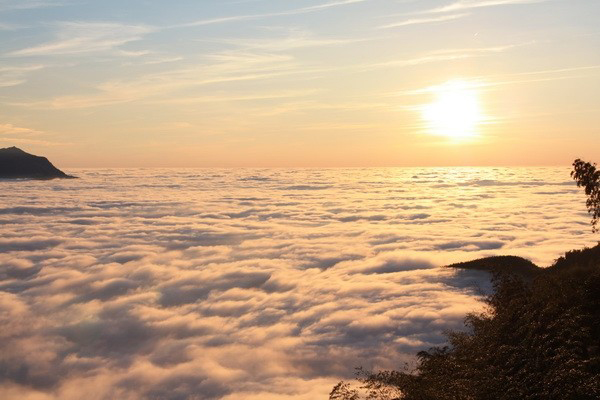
(292, 39)
(8, 27)
(444, 55)
(86, 37)
(296, 11)
(11, 135)
(254, 283)
(473, 4)
(10, 129)
(421, 21)
(6, 5)
(223, 67)
(16, 74)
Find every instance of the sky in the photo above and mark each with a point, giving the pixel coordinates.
(300, 83)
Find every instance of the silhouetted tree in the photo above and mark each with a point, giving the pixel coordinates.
(588, 176)
(539, 339)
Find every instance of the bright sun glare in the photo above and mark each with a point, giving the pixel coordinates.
(455, 112)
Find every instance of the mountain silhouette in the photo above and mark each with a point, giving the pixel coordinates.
(502, 265)
(17, 164)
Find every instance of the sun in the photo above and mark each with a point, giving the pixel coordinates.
(455, 113)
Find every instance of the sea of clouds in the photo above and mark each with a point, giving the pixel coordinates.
(254, 283)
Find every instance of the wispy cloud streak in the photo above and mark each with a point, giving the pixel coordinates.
(16, 75)
(222, 68)
(296, 11)
(6, 5)
(421, 21)
(471, 4)
(444, 55)
(87, 37)
(10, 129)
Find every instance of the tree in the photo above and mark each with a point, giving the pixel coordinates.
(588, 176)
(538, 339)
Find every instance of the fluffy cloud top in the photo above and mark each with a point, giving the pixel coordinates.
(254, 284)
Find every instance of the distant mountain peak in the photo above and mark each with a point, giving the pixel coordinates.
(12, 149)
(18, 164)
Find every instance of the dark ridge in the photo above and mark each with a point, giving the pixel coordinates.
(586, 258)
(17, 164)
(502, 265)
(538, 339)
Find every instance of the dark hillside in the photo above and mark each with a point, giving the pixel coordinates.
(17, 164)
(501, 264)
(587, 258)
(540, 339)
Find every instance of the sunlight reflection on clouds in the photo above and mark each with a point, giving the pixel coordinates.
(253, 283)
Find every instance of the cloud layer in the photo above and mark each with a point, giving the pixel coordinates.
(254, 284)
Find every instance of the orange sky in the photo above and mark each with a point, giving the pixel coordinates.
(301, 83)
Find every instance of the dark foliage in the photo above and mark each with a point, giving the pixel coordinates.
(502, 264)
(588, 176)
(540, 339)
